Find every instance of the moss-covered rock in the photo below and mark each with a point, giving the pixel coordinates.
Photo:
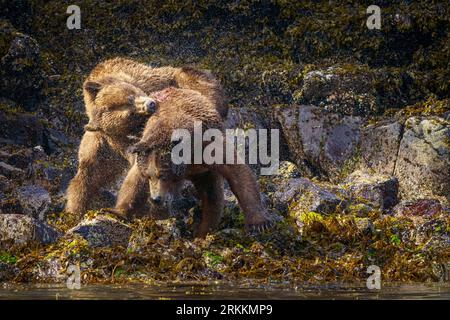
(378, 191)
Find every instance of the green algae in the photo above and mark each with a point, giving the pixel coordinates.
(331, 248)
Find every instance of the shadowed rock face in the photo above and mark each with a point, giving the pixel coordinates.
(20, 129)
(20, 67)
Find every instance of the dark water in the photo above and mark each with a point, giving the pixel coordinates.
(224, 291)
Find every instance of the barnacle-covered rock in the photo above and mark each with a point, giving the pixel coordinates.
(423, 161)
(21, 230)
(379, 146)
(35, 201)
(321, 142)
(103, 231)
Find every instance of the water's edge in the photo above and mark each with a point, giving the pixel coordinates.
(10, 291)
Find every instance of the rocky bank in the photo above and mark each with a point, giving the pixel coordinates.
(365, 140)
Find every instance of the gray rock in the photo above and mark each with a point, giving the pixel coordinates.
(21, 159)
(20, 129)
(22, 230)
(321, 143)
(49, 270)
(55, 140)
(35, 201)
(103, 231)
(244, 118)
(301, 195)
(379, 191)
(10, 171)
(51, 173)
(7, 272)
(379, 147)
(423, 160)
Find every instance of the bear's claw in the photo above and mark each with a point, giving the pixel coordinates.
(260, 227)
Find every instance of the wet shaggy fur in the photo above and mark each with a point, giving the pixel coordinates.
(154, 170)
(110, 92)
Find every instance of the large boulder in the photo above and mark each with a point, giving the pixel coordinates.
(300, 195)
(321, 142)
(423, 161)
(103, 231)
(379, 146)
(22, 230)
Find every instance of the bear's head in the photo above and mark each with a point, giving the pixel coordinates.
(115, 107)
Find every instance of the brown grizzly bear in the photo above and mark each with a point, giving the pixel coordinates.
(180, 109)
(114, 94)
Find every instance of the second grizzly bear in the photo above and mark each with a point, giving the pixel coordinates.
(111, 92)
(180, 109)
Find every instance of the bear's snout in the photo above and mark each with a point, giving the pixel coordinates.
(157, 200)
(145, 105)
(150, 106)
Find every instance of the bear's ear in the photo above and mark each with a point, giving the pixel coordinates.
(92, 88)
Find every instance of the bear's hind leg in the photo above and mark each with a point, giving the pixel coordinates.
(209, 186)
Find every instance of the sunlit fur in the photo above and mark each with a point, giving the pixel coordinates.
(113, 119)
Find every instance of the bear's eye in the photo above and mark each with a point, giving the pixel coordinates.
(131, 99)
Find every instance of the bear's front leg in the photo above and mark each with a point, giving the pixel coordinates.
(243, 184)
(133, 196)
(98, 166)
(209, 186)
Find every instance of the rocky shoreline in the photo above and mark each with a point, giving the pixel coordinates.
(364, 178)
